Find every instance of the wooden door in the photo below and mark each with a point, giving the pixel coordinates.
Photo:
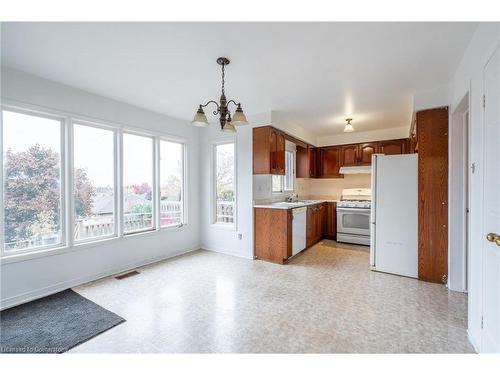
(330, 162)
(432, 135)
(331, 220)
(280, 153)
(302, 162)
(393, 147)
(313, 162)
(366, 150)
(491, 208)
(273, 147)
(262, 155)
(349, 155)
(322, 221)
(310, 225)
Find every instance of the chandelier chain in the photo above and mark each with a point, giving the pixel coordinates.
(223, 76)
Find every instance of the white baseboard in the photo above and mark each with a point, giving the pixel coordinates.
(48, 290)
(226, 252)
(472, 341)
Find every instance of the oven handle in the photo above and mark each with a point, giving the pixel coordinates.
(353, 210)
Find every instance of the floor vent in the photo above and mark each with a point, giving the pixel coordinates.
(125, 275)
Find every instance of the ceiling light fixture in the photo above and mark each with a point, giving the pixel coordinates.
(348, 127)
(227, 123)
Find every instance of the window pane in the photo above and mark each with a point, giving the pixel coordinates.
(277, 183)
(171, 180)
(32, 181)
(137, 183)
(288, 180)
(94, 182)
(224, 183)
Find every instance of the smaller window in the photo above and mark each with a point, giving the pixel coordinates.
(284, 183)
(225, 192)
(171, 183)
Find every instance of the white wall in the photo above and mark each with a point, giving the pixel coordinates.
(32, 278)
(358, 137)
(468, 76)
(214, 237)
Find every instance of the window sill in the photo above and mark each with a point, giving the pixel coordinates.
(35, 254)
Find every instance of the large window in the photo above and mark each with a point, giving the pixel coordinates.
(225, 185)
(61, 180)
(137, 183)
(283, 184)
(171, 183)
(94, 182)
(32, 184)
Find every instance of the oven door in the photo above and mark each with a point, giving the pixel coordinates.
(353, 221)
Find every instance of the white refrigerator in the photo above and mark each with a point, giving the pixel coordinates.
(394, 214)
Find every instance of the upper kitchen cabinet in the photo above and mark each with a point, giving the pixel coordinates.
(350, 155)
(394, 147)
(358, 154)
(329, 162)
(306, 162)
(366, 150)
(268, 151)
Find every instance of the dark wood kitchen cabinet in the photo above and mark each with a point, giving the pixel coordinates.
(349, 155)
(307, 162)
(331, 220)
(366, 150)
(358, 154)
(316, 221)
(329, 162)
(273, 234)
(394, 147)
(268, 151)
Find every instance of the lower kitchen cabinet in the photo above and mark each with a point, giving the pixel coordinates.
(273, 234)
(331, 220)
(316, 223)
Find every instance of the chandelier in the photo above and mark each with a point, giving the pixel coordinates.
(227, 123)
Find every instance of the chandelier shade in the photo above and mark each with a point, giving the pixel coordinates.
(200, 119)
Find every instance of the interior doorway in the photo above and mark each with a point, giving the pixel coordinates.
(459, 197)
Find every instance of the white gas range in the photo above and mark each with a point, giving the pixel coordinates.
(353, 216)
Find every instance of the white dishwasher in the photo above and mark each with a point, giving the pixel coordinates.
(298, 229)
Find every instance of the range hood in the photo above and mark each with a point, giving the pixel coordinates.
(356, 170)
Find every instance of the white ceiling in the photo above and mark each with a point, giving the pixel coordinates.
(312, 74)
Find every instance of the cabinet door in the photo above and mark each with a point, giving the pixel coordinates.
(273, 141)
(310, 226)
(313, 162)
(393, 147)
(330, 162)
(366, 150)
(349, 155)
(331, 220)
(280, 153)
(321, 221)
(302, 162)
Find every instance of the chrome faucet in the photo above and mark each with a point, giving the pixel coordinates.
(291, 197)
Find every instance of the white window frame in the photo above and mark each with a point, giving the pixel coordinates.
(62, 181)
(213, 193)
(283, 177)
(154, 188)
(184, 182)
(67, 185)
(71, 220)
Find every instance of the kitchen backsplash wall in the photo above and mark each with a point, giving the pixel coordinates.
(325, 188)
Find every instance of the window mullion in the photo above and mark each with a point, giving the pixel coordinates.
(119, 218)
(156, 183)
(68, 146)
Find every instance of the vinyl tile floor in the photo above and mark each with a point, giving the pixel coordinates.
(325, 300)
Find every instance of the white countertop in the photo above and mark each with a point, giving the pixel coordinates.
(291, 205)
